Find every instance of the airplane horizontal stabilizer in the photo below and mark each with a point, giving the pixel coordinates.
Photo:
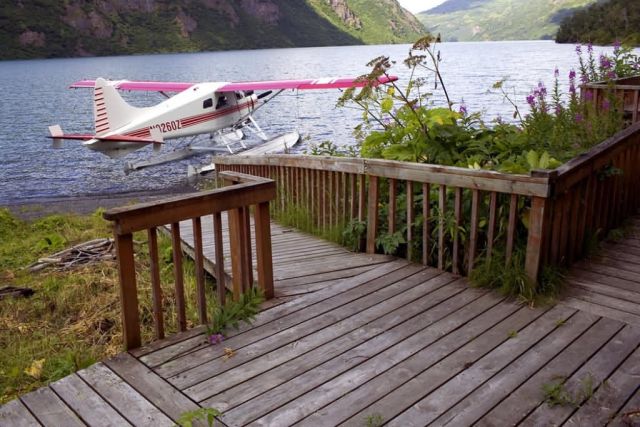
(115, 138)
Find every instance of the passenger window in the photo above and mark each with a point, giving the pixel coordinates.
(208, 103)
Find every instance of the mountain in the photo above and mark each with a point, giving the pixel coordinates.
(373, 22)
(603, 23)
(464, 20)
(53, 28)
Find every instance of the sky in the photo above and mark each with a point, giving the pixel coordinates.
(416, 6)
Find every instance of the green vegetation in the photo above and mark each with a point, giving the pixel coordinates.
(374, 420)
(48, 28)
(467, 20)
(73, 319)
(605, 22)
(556, 394)
(401, 124)
(203, 414)
(379, 22)
(244, 309)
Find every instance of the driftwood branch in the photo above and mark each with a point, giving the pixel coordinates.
(84, 253)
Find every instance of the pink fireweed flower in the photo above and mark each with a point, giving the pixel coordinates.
(590, 47)
(572, 75)
(616, 47)
(588, 95)
(605, 62)
(216, 339)
(556, 73)
(531, 100)
(579, 49)
(612, 75)
(606, 105)
(572, 88)
(463, 110)
(542, 90)
(578, 117)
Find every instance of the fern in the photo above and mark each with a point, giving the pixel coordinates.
(244, 309)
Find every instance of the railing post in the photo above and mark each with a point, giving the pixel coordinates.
(263, 249)
(537, 232)
(128, 291)
(372, 214)
(236, 244)
(539, 228)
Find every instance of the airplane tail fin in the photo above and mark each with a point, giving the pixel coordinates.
(110, 110)
(56, 135)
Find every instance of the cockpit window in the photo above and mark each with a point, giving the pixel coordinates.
(208, 103)
(222, 101)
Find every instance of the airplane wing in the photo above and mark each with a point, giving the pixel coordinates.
(325, 83)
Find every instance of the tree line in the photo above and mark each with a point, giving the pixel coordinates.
(603, 23)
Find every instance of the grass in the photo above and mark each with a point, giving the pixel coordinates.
(556, 393)
(73, 319)
(300, 217)
(510, 279)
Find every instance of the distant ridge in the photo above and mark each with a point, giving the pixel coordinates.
(468, 20)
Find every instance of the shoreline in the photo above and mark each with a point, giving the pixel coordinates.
(31, 209)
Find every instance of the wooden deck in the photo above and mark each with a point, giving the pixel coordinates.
(384, 340)
(301, 263)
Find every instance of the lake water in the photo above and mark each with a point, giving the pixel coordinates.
(35, 95)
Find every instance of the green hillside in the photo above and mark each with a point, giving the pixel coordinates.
(378, 22)
(51, 28)
(464, 20)
(603, 23)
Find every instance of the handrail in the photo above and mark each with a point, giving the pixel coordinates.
(461, 210)
(483, 180)
(236, 199)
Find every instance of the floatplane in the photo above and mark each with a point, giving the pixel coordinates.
(221, 109)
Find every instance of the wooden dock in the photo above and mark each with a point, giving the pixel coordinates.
(383, 341)
(301, 263)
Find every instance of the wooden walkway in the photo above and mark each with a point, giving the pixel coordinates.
(301, 263)
(393, 343)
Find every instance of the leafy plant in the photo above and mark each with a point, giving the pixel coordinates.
(374, 420)
(244, 309)
(353, 234)
(402, 124)
(390, 242)
(206, 414)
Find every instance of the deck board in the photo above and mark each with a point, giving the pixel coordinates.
(15, 414)
(49, 409)
(514, 407)
(88, 404)
(597, 369)
(360, 335)
(127, 401)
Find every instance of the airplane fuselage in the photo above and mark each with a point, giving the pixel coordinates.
(198, 110)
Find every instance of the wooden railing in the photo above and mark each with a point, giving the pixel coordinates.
(236, 200)
(592, 194)
(626, 90)
(456, 215)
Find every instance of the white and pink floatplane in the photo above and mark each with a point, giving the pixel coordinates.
(220, 109)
